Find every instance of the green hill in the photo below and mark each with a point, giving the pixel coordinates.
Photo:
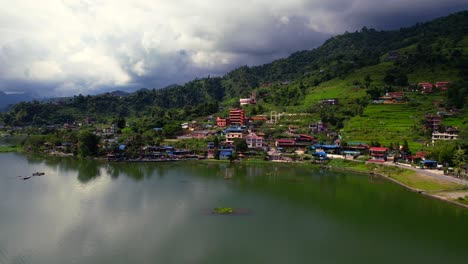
(353, 67)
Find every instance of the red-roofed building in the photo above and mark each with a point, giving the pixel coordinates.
(237, 117)
(222, 122)
(378, 153)
(425, 87)
(442, 85)
(285, 142)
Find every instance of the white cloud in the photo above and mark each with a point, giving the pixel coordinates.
(85, 45)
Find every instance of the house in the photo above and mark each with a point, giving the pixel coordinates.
(254, 141)
(378, 154)
(304, 140)
(443, 136)
(285, 142)
(318, 127)
(222, 122)
(329, 101)
(225, 153)
(360, 147)
(428, 164)
(247, 101)
(433, 122)
(237, 116)
(425, 87)
(233, 133)
(442, 85)
(393, 97)
(258, 118)
(202, 134)
(331, 149)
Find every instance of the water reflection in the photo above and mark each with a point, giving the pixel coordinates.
(97, 212)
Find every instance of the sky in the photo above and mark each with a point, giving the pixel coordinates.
(67, 47)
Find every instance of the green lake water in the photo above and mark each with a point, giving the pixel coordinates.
(94, 212)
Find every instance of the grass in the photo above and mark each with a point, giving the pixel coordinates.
(422, 182)
(462, 200)
(4, 149)
(407, 177)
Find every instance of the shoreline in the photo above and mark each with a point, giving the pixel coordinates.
(412, 189)
(345, 168)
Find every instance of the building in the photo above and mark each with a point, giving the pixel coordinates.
(329, 101)
(247, 101)
(378, 153)
(443, 136)
(393, 97)
(233, 133)
(318, 127)
(222, 122)
(237, 117)
(225, 153)
(259, 118)
(201, 134)
(442, 85)
(433, 122)
(254, 141)
(425, 87)
(285, 142)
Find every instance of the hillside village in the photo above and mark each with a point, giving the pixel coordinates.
(236, 136)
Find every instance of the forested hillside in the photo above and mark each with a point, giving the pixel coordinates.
(354, 67)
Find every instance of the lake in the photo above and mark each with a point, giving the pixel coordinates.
(85, 211)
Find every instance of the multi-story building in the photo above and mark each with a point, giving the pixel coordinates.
(237, 117)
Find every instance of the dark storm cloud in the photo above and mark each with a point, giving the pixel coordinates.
(64, 47)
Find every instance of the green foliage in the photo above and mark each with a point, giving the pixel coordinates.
(88, 144)
(443, 152)
(240, 145)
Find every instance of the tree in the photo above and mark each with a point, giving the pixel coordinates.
(240, 145)
(88, 144)
(120, 122)
(367, 81)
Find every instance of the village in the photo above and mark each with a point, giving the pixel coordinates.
(237, 137)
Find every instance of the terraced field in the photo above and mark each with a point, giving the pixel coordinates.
(386, 123)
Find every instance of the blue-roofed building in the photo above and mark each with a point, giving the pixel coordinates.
(225, 153)
(428, 164)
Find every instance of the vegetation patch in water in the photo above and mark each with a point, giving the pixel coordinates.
(223, 210)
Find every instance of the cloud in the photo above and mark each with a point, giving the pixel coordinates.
(83, 46)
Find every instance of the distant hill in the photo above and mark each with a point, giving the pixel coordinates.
(7, 100)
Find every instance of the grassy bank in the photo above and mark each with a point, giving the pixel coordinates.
(4, 149)
(406, 177)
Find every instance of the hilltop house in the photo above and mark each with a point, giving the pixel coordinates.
(329, 101)
(247, 101)
(442, 85)
(393, 97)
(425, 87)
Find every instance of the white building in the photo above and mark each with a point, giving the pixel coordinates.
(443, 136)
